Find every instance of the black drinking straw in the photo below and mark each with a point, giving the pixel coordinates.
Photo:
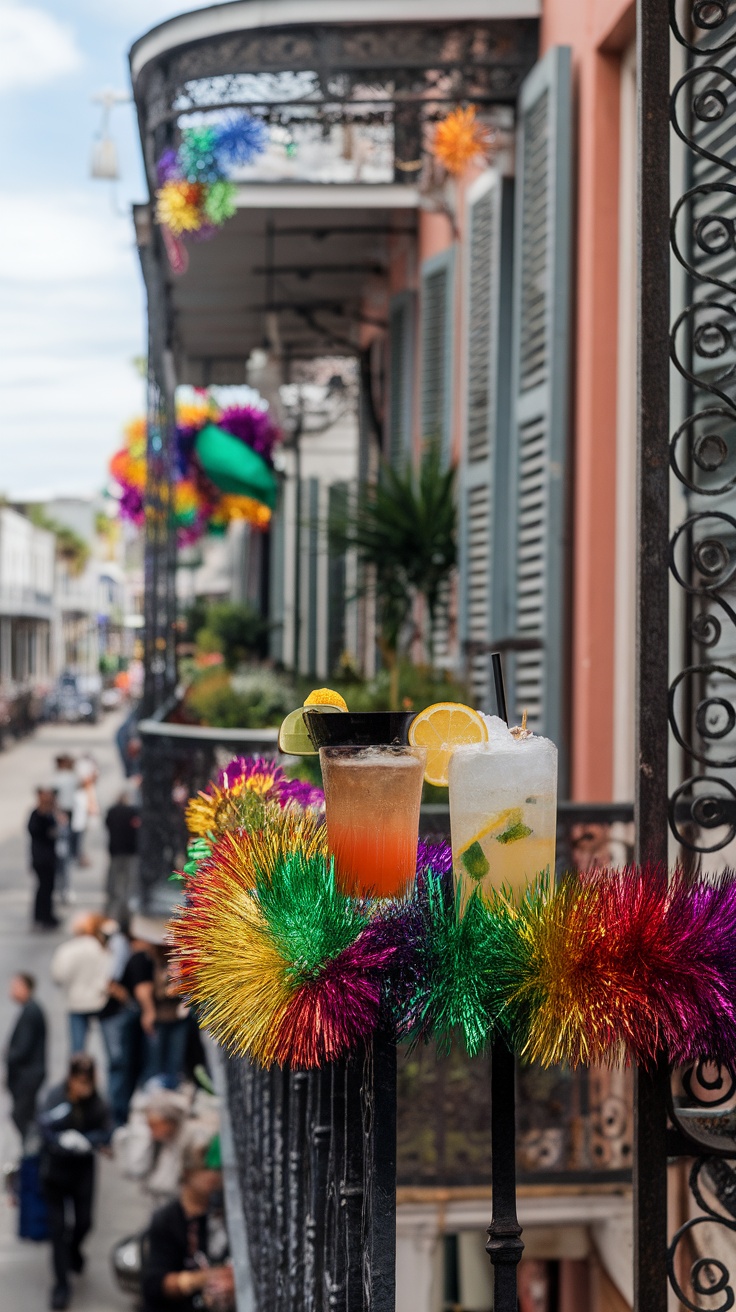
(504, 1246)
(497, 672)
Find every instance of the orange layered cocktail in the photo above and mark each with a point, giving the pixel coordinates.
(372, 800)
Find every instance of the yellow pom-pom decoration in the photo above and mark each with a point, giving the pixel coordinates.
(233, 507)
(179, 206)
(459, 139)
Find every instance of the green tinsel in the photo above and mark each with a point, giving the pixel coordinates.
(308, 920)
(219, 203)
(447, 985)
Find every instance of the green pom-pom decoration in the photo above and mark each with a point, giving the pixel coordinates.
(196, 156)
(219, 203)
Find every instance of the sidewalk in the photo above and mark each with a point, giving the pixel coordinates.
(25, 1277)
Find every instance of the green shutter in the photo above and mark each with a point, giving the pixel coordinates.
(484, 463)
(436, 347)
(400, 377)
(540, 397)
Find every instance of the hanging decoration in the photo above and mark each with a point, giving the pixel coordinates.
(608, 967)
(459, 139)
(195, 196)
(223, 469)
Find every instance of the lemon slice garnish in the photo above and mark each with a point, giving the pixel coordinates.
(441, 728)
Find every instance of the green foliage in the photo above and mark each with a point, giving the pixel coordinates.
(404, 528)
(236, 630)
(70, 547)
(194, 619)
(257, 699)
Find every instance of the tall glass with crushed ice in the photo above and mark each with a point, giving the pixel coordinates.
(503, 810)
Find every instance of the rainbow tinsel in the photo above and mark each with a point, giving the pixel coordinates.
(606, 967)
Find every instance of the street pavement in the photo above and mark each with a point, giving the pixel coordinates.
(25, 1276)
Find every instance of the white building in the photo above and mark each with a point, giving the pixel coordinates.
(26, 603)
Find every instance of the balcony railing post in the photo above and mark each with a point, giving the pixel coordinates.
(504, 1245)
(653, 324)
(378, 1097)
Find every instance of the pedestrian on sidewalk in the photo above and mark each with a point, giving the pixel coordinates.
(74, 1122)
(185, 1252)
(162, 1122)
(42, 827)
(25, 1057)
(166, 1040)
(123, 822)
(82, 967)
(64, 783)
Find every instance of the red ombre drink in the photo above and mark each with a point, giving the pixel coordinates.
(372, 799)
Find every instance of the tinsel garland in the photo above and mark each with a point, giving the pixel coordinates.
(607, 967)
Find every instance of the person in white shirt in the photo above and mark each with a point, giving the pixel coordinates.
(82, 967)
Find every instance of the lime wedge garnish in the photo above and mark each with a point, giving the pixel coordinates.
(514, 833)
(475, 861)
(293, 737)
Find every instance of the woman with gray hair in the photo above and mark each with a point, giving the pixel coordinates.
(151, 1147)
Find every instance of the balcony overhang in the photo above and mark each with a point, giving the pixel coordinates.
(303, 61)
(309, 246)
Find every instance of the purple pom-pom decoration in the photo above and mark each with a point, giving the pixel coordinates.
(167, 169)
(252, 426)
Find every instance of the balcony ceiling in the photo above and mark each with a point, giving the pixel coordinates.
(327, 286)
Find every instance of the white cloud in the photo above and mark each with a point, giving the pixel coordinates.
(53, 238)
(71, 320)
(35, 47)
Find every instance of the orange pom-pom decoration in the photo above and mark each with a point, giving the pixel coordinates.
(459, 139)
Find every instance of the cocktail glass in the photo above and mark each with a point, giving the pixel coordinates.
(503, 812)
(372, 799)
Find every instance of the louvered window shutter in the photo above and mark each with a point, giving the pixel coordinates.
(540, 396)
(401, 377)
(484, 463)
(436, 345)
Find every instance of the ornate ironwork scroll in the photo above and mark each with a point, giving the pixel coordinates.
(702, 699)
(702, 695)
(702, 1253)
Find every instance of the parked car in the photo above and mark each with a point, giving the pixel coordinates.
(74, 699)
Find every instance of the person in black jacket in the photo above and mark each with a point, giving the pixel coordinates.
(73, 1121)
(25, 1058)
(185, 1247)
(42, 826)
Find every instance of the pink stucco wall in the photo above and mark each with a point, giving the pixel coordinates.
(597, 31)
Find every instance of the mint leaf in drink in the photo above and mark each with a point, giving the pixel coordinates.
(475, 861)
(514, 833)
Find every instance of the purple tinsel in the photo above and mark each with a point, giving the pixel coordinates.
(252, 426)
(284, 790)
(167, 168)
(240, 138)
(434, 854)
(301, 792)
(245, 767)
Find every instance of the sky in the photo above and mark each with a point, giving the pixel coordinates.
(72, 314)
